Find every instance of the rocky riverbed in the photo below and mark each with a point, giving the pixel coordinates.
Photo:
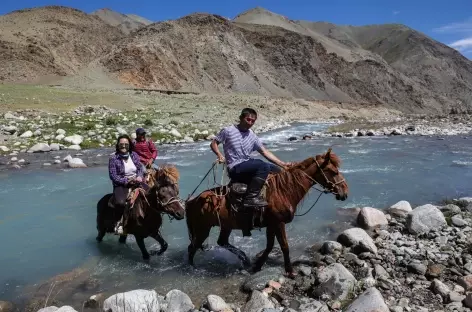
(399, 259)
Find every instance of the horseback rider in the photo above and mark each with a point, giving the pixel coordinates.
(239, 141)
(125, 171)
(146, 149)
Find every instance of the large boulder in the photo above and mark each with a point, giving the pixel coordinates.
(27, 134)
(358, 240)
(334, 281)
(39, 148)
(369, 218)
(370, 300)
(56, 309)
(216, 303)
(74, 162)
(178, 301)
(259, 280)
(400, 209)
(425, 218)
(257, 302)
(132, 301)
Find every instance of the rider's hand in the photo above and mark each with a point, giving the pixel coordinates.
(221, 159)
(139, 179)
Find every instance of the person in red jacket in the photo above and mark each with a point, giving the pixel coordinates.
(145, 148)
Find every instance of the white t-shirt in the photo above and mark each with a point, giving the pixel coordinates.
(130, 168)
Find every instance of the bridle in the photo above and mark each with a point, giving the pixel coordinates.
(173, 199)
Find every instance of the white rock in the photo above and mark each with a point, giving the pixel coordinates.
(358, 240)
(188, 139)
(60, 131)
(370, 300)
(39, 147)
(335, 281)
(133, 301)
(196, 131)
(424, 219)
(74, 147)
(75, 162)
(10, 129)
(57, 161)
(55, 147)
(14, 159)
(59, 137)
(56, 309)
(370, 217)
(205, 132)
(74, 139)
(178, 301)
(121, 130)
(4, 149)
(27, 134)
(9, 116)
(402, 206)
(17, 144)
(37, 133)
(257, 302)
(21, 161)
(216, 303)
(175, 133)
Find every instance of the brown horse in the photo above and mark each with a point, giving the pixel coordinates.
(145, 219)
(284, 192)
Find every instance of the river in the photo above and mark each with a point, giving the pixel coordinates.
(47, 217)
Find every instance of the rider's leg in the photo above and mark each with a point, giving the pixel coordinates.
(120, 193)
(255, 186)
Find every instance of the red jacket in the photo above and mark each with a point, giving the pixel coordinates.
(145, 149)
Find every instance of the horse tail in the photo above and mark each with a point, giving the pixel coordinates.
(189, 218)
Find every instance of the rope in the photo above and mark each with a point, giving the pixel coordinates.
(301, 215)
(213, 166)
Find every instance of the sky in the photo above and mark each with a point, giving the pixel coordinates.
(448, 21)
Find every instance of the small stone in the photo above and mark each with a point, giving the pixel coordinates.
(417, 268)
(468, 301)
(331, 247)
(440, 288)
(396, 309)
(275, 285)
(458, 289)
(455, 297)
(435, 270)
(369, 218)
(459, 222)
(305, 270)
(466, 282)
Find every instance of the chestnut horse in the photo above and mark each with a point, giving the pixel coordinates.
(145, 218)
(284, 192)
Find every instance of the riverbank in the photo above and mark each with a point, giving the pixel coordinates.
(398, 259)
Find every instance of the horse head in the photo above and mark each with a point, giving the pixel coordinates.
(167, 191)
(324, 170)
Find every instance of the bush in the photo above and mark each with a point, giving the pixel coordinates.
(148, 122)
(110, 121)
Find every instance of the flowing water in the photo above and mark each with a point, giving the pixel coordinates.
(47, 217)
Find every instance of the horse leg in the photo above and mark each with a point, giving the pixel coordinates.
(142, 247)
(223, 241)
(197, 242)
(282, 239)
(101, 234)
(270, 236)
(158, 237)
(122, 239)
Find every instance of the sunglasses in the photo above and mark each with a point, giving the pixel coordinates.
(248, 119)
(123, 145)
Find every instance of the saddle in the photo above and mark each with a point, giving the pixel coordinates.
(253, 215)
(133, 194)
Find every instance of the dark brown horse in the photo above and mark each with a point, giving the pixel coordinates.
(284, 192)
(145, 217)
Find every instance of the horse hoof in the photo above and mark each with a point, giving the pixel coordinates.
(99, 239)
(146, 257)
(290, 275)
(157, 252)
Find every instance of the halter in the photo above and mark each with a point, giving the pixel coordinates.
(171, 200)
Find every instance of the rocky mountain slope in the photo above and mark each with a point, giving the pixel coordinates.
(126, 22)
(259, 52)
(50, 41)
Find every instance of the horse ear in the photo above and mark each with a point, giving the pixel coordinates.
(328, 153)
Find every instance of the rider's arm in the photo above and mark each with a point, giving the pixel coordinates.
(137, 163)
(113, 174)
(271, 157)
(153, 149)
(219, 138)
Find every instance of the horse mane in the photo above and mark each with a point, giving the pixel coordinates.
(334, 159)
(287, 187)
(169, 171)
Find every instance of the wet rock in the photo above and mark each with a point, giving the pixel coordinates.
(216, 303)
(135, 300)
(358, 240)
(334, 281)
(259, 280)
(305, 270)
(56, 309)
(6, 306)
(257, 302)
(331, 247)
(74, 162)
(39, 148)
(370, 300)
(425, 218)
(94, 302)
(178, 301)
(370, 218)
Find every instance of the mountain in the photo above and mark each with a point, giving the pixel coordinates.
(257, 52)
(51, 41)
(127, 23)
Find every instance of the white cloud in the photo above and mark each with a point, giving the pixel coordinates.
(463, 44)
(396, 12)
(461, 27)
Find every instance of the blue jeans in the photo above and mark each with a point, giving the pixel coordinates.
(250, 169)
